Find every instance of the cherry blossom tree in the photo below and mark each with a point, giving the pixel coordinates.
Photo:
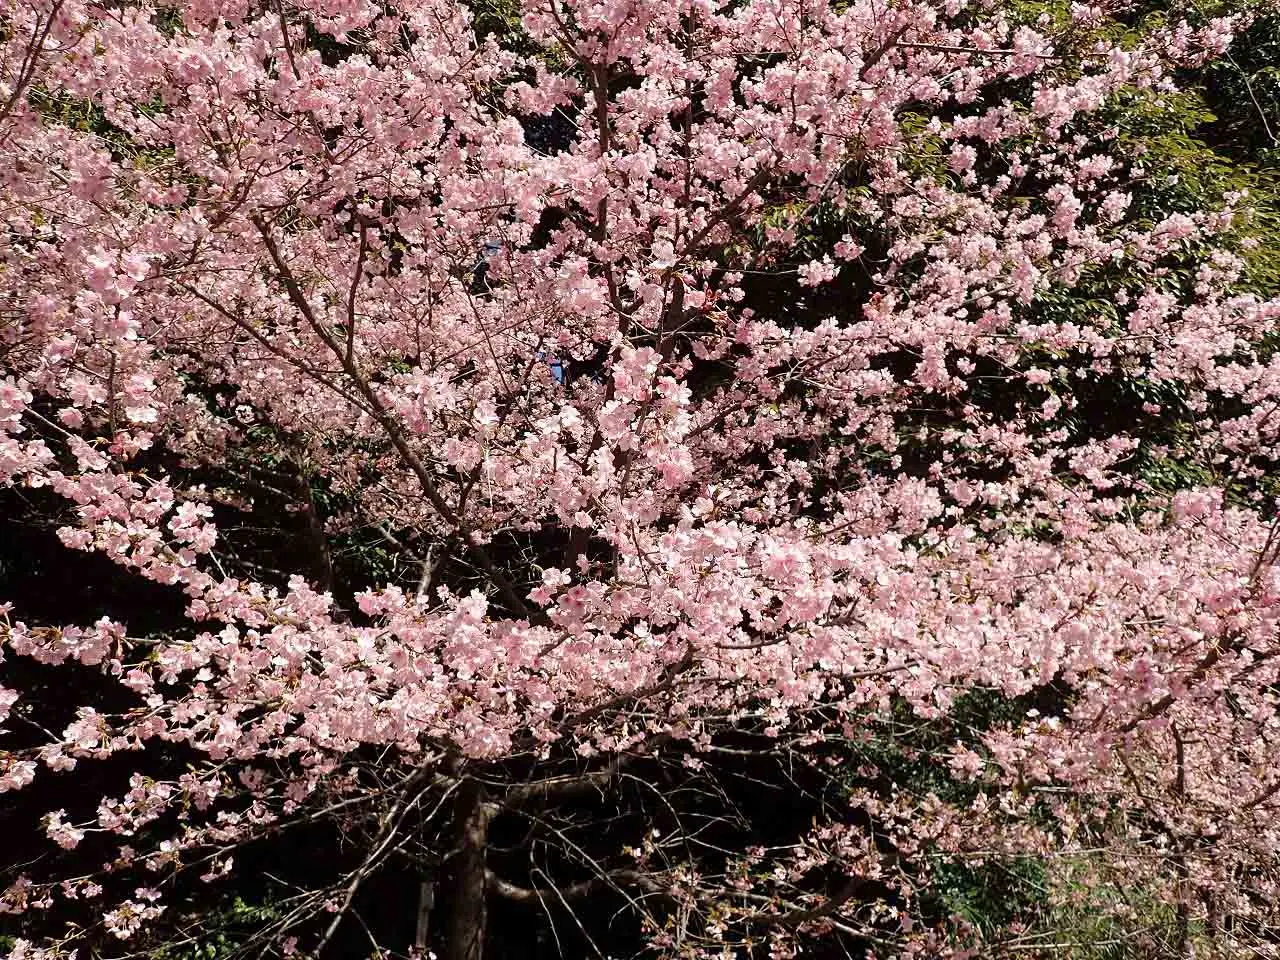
(702, 359)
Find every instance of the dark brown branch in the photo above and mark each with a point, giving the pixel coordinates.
(561, 788)
(576, 891)
(389, 425)
(847, 892)
(30, 61)
(351, 294)
(668, 680)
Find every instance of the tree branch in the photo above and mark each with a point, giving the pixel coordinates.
(575, 891)
(389, 425)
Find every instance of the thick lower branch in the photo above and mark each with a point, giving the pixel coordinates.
(562, 788)
(576, 891)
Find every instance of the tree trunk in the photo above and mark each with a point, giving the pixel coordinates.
(426, 901)
(466, 924)
(321, 560)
